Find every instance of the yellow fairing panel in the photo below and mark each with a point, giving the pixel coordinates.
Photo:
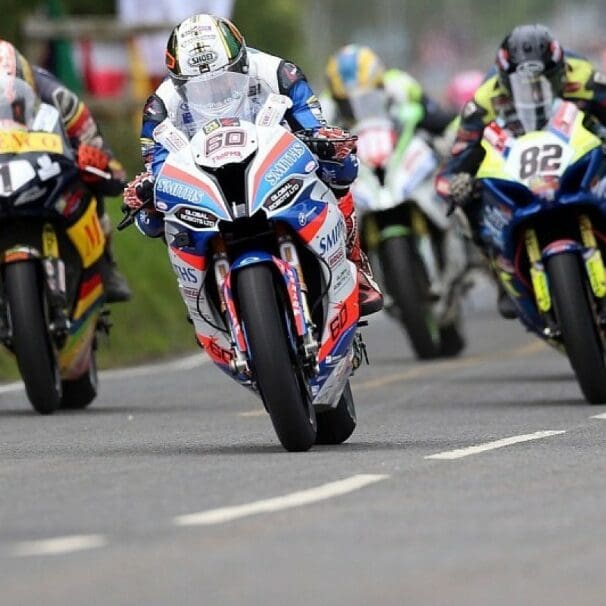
(87, 236)
(582, 141)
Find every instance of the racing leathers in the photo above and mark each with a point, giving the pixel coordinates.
(283, 78)
(91, 151)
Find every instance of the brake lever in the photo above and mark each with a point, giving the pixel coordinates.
(129, 216)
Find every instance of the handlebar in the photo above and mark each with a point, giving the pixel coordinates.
(129, 216)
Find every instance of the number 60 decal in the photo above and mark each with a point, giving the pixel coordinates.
(230, 138)
(544, 159)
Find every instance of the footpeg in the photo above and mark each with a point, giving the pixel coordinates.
(359, 353)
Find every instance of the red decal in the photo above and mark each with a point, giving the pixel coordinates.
(192, 260)
(311, 229)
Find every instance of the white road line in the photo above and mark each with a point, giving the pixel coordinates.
(188, 363)
(295, 499)
(600, 416)
(11, 387)
(471, 450)
(59, 545)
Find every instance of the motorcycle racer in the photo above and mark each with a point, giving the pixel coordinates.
(354, 71)
(529, 50)
(91, 151)
(204, 47)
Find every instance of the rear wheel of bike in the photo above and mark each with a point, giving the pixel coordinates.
(406, 281)
(31, 340)
(276, 370)
(336, 425)
(576, 320)
(452, 342)
(79, 393)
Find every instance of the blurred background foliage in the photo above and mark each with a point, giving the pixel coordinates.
(432, 40)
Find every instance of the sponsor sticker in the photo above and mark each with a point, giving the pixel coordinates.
(284, 195)
(196, 218)
(16, 142)
(286, 161)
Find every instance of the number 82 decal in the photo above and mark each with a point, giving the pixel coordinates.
(544, 159)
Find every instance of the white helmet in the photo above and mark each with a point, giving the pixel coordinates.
(205, 44)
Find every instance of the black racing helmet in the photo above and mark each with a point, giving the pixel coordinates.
(532, 47)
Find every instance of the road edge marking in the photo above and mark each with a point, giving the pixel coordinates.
(288, 501)
(58, 545)
(180, 364)
(459, 453)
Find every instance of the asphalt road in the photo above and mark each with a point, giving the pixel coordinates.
(94, 505)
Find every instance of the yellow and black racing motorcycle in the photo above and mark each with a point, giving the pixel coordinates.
(51, 242)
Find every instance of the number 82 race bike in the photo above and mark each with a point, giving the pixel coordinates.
(543, 221)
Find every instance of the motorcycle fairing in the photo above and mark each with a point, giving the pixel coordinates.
(280, 156)
(182, 183)
(511, 198)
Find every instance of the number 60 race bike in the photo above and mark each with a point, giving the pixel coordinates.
(543, 220)
(51, 294)
(257, 243)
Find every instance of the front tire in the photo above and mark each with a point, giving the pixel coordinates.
(576, 321)
(406, 282)
(31, 340)
(277, 373)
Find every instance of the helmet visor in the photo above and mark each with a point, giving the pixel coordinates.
(532, 96)
(368, 104)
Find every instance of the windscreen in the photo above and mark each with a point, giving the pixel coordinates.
(18, 104)
(532, 97)
(227, 95)
(368, 104)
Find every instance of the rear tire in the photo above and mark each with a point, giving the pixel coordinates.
(31, 340)
(576, 321)
(79, 393)
(278, 376)
(406, 282)
(336, 425)
(452, 342)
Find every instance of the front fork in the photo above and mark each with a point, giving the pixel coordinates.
(592, 259)
(54, 272)
(55, 286)
(309, 344)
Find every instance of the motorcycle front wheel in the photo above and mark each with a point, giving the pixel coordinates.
(406, 281)
(31, 340)
(275, 367)
(576, 321)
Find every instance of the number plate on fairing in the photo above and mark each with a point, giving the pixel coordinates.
(537, 156)
(224, 141)
(14, 175)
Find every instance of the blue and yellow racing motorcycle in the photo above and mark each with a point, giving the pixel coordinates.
(543, 222)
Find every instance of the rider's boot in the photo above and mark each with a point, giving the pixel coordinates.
(114, 282)
(371, 298)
